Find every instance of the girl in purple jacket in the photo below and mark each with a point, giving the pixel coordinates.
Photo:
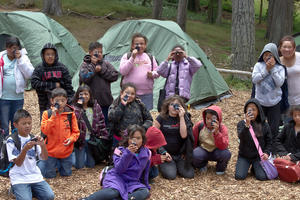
(179, 72)
(84, 104)
(128, 179)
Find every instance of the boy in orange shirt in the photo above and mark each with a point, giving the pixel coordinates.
(61, 134)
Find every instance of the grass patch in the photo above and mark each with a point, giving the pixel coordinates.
(238, 84)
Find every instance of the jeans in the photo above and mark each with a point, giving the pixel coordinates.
(7, 111)
(48, 167)
(40, 190)
(147, 99)
(201, 158)
(153, 172)
(84, 157)
(243, 165)
(113, 194)
(169, 169)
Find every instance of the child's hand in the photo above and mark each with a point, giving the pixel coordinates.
(169, 157)
(67, 142)
(181, 111)
(29, 145)
(17, 54)
(215, 126)
(40, 141)
(134, 53)
(171, 55)
(133, 148)
(94, 59)
(163, 158)
(270, 63)
(98, 68)
(265, 156)
(149, 75)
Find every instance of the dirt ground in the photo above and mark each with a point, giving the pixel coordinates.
(204, 186)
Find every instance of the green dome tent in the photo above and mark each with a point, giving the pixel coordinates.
(34, 29)
(207, 83)
(297, 40)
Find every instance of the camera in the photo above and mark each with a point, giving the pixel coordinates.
(125, 98)
(250, 111)
(34, 139)
(56, 105)
(133, 141)
(137, 47)
(176, 106)
(213, 120)
(14, 52)
(80, 99)
(161, 151)
(96, 54)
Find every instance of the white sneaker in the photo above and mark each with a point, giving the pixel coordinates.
(220, 173)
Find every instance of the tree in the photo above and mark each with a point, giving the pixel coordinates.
(157, 9)
(260, 11)
(24, 3)
(193, 5)
(243, 34)
(219, 13)
(181, 13)
(280, 19)
(52, 7)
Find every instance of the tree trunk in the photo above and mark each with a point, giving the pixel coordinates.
(243, 34)
(210, 13)
(24, 3)
(181, 13)
(193, 5)
(52, 7)
(157, 9)
(260, 11)
(219, 14)
(280, 19)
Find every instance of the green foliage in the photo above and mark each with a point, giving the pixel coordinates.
(238, 84)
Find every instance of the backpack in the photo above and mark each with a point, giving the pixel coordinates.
(128, 56)
(5, 165)
(109, 167)
(284, 102)
(69, 116)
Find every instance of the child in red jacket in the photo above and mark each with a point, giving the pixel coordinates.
(155, 142)
(211, 141)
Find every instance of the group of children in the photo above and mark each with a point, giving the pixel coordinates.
(127, 124)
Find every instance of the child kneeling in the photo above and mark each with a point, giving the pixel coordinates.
(25, 176)
(62, 131)
(211, 141)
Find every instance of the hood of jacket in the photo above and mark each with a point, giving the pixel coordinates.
(155, 138)
(218, 111)
(261, 116)
(49, 46)
(270, 47)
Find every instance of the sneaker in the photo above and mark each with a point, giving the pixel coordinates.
(203, 169)
(220, 173)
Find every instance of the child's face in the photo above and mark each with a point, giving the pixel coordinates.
(172, 111)
(11, 50)
(209, 118)
(251, 108)
(296, 117)
(139, 41)
(178, 54)
(98, 52)
(137, 139)
(49, 56)
(61, 100)
(268, 57)
(86, 96)
(287, 49)
(130, 92)
(24, 126)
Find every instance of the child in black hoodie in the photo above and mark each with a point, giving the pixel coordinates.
(50, 74)
(248, 154)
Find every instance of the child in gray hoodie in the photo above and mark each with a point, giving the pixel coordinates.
(268, 76)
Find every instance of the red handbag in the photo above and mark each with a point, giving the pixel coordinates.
(288, 171)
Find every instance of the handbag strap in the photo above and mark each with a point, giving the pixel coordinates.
(168, 75)
(177, 80)
(256, 141)
(87, 122)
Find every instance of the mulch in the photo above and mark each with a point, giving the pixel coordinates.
(204, 186)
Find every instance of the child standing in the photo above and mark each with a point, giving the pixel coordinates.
(50, 74)
(248, 154)
(288, 140)
(98, 74)
(139, 69)
(61, 135)
(87, 110)
(268, 76)
(128, 179)
(15, 69)
(25, 176)
(211, 141)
